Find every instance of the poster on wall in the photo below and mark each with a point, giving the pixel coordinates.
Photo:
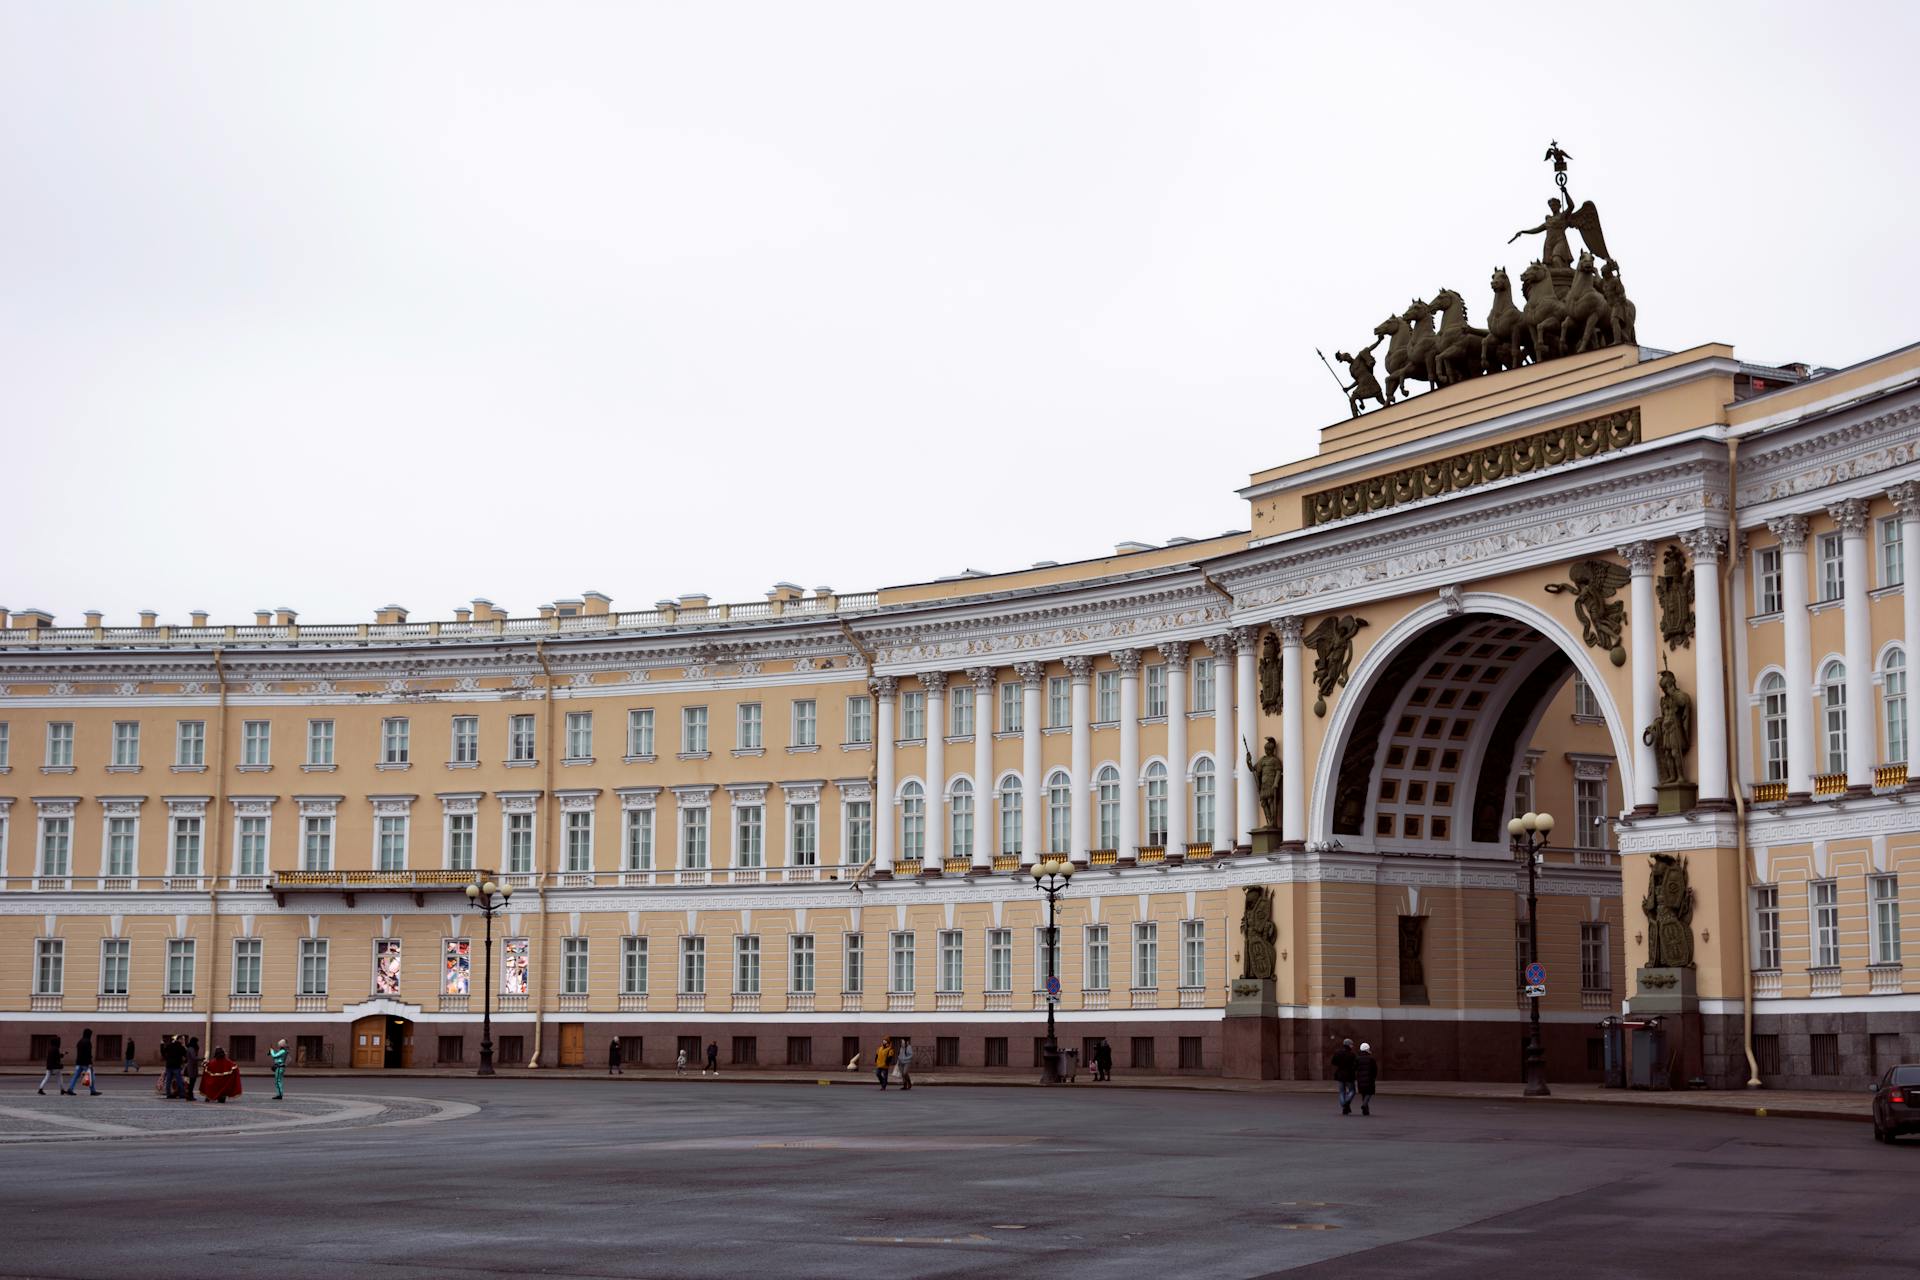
(386, 967)
(513, 969)
(459, 967)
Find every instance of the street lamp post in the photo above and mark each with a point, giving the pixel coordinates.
(1529, 833)
(1051, 877)
(489, 898)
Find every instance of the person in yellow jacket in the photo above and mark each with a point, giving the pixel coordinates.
(883, 1060)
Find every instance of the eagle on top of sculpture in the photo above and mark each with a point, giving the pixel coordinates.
(1569, 305)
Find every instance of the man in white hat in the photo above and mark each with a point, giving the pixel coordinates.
(1366, 1074)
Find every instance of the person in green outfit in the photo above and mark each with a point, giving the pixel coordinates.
(278, 1056)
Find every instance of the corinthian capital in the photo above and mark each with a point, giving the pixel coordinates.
(1851, 516)
(1791, 530)
(1220, 646)
(1080, 667)
(935, 681)
(1128, 660)
(1639, 557)
(1706, 546)
(884, 686)
(982, 678)
(1290, 629)
(1905, 498)
(1031, 673)
(1176, 654)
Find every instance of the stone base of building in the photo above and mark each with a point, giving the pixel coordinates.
(1844, 1052)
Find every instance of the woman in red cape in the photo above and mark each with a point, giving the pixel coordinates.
(220, 1078)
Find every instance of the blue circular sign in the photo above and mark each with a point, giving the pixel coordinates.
(1536, 973)
(1053, 985)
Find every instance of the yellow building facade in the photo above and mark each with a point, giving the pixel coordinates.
(791, 827)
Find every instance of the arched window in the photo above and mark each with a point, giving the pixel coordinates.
(1833, 697)
(1107, 789)
(1059, 814)
(1012, 816)
(1156, 803)
(913, 822)
(1773, 724)
(1203, 802)
(960, 843)
(1893, 697)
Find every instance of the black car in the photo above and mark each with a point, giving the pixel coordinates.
(1896, 1103)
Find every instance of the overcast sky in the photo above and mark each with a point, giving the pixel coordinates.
(333, 305)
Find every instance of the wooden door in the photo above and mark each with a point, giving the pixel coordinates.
(370, 1042)
(573, 1044)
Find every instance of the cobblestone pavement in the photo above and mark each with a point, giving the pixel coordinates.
(129, 1113)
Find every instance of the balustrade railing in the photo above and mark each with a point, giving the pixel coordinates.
(1883, 979)
(1824, 981)
(1192, 997)
(1766, 982)
(1145, 997)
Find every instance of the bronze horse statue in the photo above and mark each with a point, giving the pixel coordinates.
(1589, 318)
(1459, 353)
(1545, 317)
(1621, 310)
(1423, 348)
(1507, 344)
(1399, 335)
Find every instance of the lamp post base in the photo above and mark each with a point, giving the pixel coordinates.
(1050, 1063)
(1537, 1072)
(486, 1057)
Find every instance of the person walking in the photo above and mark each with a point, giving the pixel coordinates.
(906, 1065)
(82, 1066)
(713, 1057)
(883, 1060)
(680, 1062)
(1103, 1061)
(222, 1078)
(173, 1064)
(1366, 1074)
(55, 1061)
(132, 1064)
(1343, 1068)
(278, 1057)
(192, 1068)
(613, 1057)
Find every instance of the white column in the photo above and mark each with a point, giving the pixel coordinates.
(986, 825)
(1247, 703)
(1906, 500)
(935, 859)
(1176, 656)
(1128, 661)
(1080, 668)
(1032, 786)
(1225, 760)
(1798, 653)
(1709, 667)
(884, 688)
(1857, 628)
(1293, 733)
(1643, 634)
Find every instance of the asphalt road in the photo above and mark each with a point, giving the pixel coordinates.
(702, 1178)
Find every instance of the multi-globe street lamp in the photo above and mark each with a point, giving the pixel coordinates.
(489, 898)
(1051, 877)
(1529, 833)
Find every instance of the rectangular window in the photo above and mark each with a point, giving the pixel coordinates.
(253, 847)
(460, 834)
(999, 959)
(1012, 819)
(1146, 955)
(1766, 926)
(803, 835)
(693, 731)
(996, 1051)
(1156, 702)
(580, 840)
(859, 720)
(1766, 1051)
(963, 700)
(1191, 1058)
(1826, 1053)
(186, 847)
(456, 966)
(633, 966)
(1893, 704)
(1141, 1053)
(520, 741)
(579, 735)
(1830, 551)
(190, 744)
(1767, 597)
(800, 963)
(1059, 702)
(1046, 956)
(60, 745)
(256, 742)
(1097, 947)
(640, 731)
(749, 838)
(693, 966)
(1203, 684)
(1884, 894)
(693, 839)
(126, 743)
(123, 836)
(466, 740)
(1011, 706)
(246, 966)
(747, 726)
(806, 722)
(859, 832)
(49, 967)
(952, 960)
(913, 716)
(179, 966)
(316, 844)
(1824, 896)
(320, 742)
(1595, 971)
(520, 843)
(1892, 542)
(853, 974)
(1590, 813)
(573, 966)
(6, 745)
(1193, 953)
(746, 964)
(900, 972)
(313, 966)
(1106, 697)
(56, 846)
(1585, 705)
(116, 966)
(393, 843)
(639, 840)
(394, 733)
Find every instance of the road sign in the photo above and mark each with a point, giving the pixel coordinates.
(1536, 974)
(1536, 989)
(1053, 988)
(1054, 998)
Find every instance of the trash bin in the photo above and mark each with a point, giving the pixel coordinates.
(1613, 1040)
(1649, 1057)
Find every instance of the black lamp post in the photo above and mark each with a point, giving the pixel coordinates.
(1051, 877)
(489, 898)
(1529, 832)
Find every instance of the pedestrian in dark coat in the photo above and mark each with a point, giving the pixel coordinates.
(192, 1066)
(82, 1066)
(1103, 1061)
(1343, 1070)
(132, 1063)
(1366, 1074)
(713, 1057)
(55, 1061)
(613, 1057)
(173, 1062)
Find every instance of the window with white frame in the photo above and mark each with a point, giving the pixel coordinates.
(1156, 804)
(800, 963)
(519, 835)
(521, 746)
(1892, 542)
(913, 822)
(190, 744)
(999, 959)
(253, 846)
(1097, 956)
(803, 834)
(247, 954)
(1766, 926)
(1012, 707)
(1773, 725)
(1589, 813)
(1146, 955)
(1833, 702)
(1203, 801)
(853, 967)
(1193, 953)
(1106, 785)
(123, 837)
(313, 967)
(49, 967)
(952, 961)
(962, 713)
(1883, 893)
(256, 742)
(1829, 552)
(460, 841)
(1106, 697)
(316, 842)
(1059, 814)
(913, 716)
(859, 832)
(1202, 699)
(1156, 691)
(746, 964)
(392, 837)
(806, 722)
(1893, 704)
(126, 744)
(186, 845)
(60, 745)
(1824, 898)
(6, 745)
(320, 742)
(749, 835)
(1046, 956)
(466, 740)
(1767, 597)
(394, 732)
(693, 966)
(1013, 803)
(900, 970)
(579, 735)
(1585, 705)
(573, 966)
(637, 840)
(1595, 968)
(56, 846)
(1059, 702)
(746, 732)
(633, 965)
(116, 966)
(859, 720)
(640, 731)
(693, 837)
(180, 966)
(693, 731)
(960, 820)
(579, 840)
